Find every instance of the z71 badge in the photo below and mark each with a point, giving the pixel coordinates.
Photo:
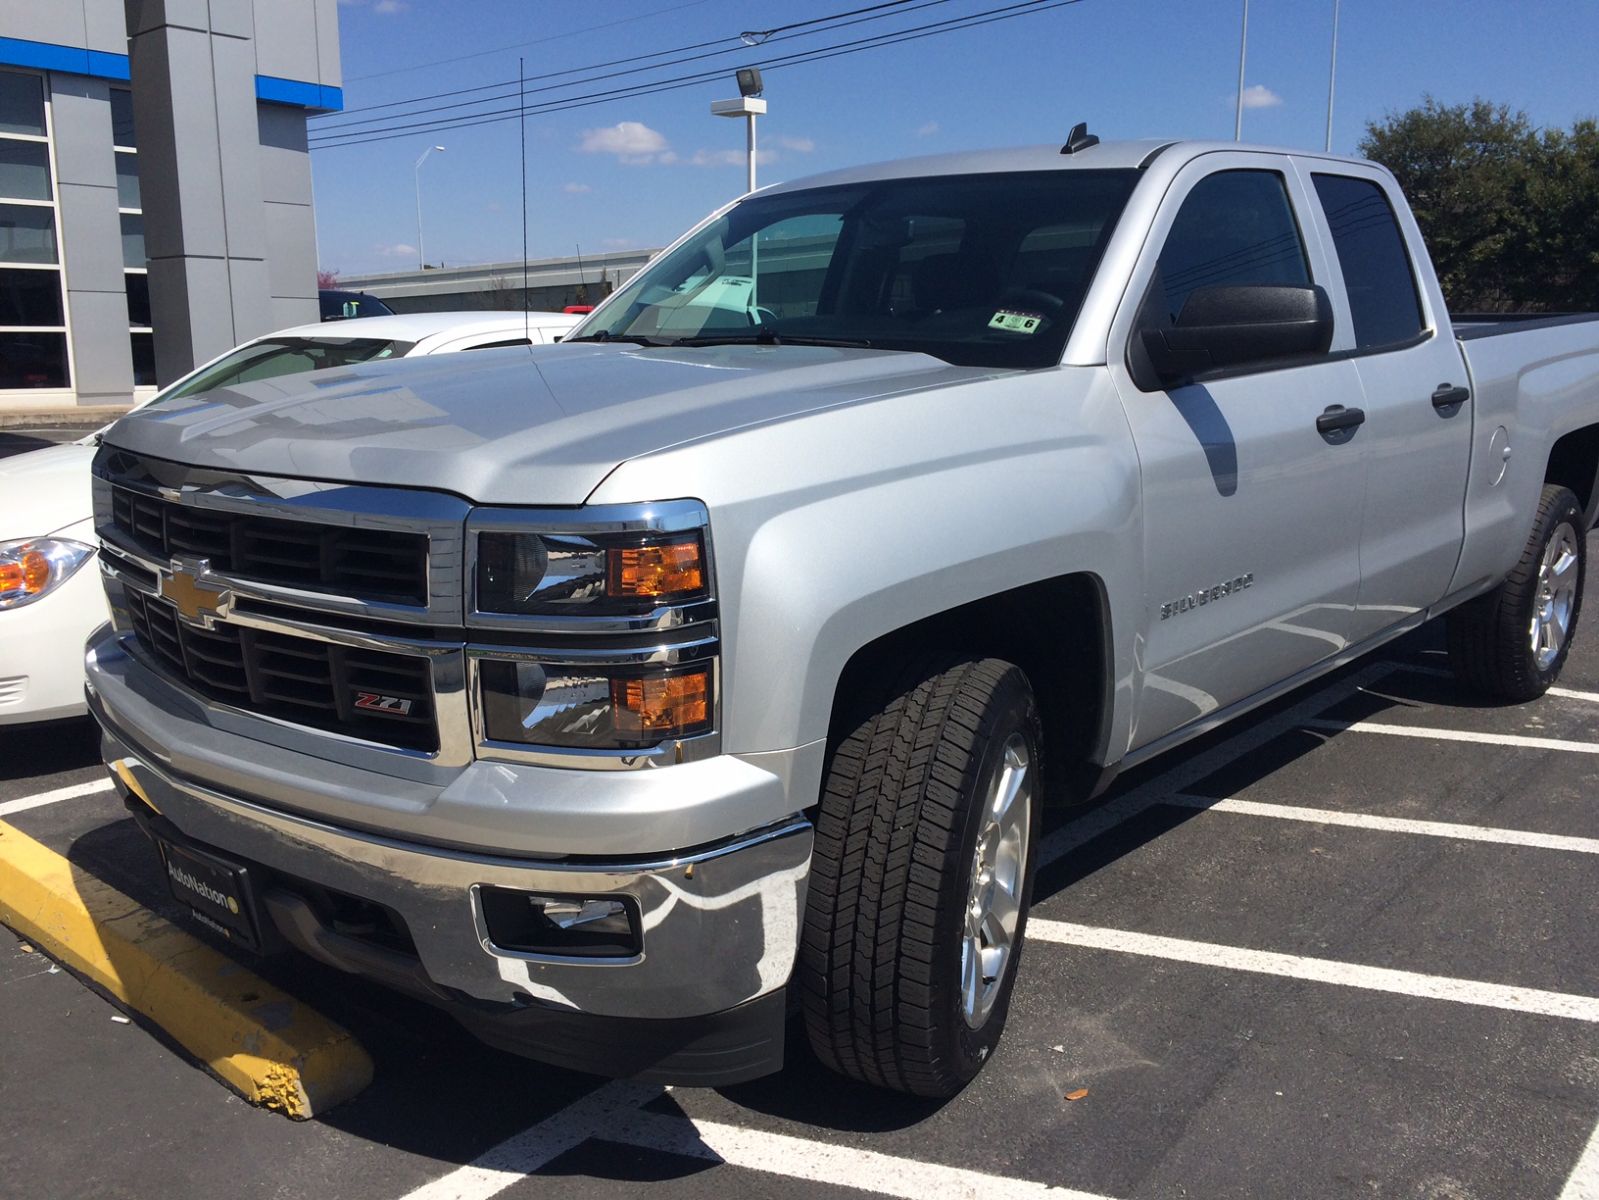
(396, 706)
(1205, 595)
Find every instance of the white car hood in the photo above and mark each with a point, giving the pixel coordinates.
(44, 491)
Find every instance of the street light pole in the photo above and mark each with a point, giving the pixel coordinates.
(1332, 76)
(1243, 48)
(421, 252)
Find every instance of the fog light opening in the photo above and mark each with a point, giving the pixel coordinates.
(561, 926)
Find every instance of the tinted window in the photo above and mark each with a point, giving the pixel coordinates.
(122, 117)
(1235, 228)
(1371, 251)
(21, 103)
(30, 297)
(27, 234)
(33, 360)
(982, 270)
(24, 170)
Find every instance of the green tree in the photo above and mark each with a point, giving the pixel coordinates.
(1510, 212)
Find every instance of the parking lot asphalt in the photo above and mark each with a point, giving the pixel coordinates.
(1345, 946)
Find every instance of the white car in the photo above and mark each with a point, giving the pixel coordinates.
(49, 604)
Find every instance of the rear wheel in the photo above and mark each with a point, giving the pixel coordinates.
(1512, 642)
(922, 876)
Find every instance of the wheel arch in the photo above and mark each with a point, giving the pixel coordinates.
(1059, 631)
(1574, 463)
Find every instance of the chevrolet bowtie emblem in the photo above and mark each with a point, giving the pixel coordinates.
(184, 586)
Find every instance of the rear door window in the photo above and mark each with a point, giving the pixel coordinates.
(1376, 266)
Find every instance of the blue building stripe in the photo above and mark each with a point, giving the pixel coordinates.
(298, 93)
(72, 60)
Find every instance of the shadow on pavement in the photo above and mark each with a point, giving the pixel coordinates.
(48, 747)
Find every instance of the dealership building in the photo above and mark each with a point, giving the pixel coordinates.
(155, 186)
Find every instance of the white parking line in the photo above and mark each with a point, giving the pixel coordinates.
(821, 1162)
(1443, 829)
(1320, 970)
(521, 1154)
(41, 799)
(1453, 735)
(1573, 694)
(1583, 1182)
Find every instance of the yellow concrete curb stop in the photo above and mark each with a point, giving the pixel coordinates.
(262, 1042)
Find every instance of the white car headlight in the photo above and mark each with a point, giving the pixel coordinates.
(35, 567)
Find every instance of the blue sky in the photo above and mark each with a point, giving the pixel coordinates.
(637, 171)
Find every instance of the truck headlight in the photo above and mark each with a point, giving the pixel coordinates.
(594, 634)
(33, 568)
(528, 573)
(593, 708)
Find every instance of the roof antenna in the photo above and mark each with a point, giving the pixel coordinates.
(521, 105)
(1079, 139)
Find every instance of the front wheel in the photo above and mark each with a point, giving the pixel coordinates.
(921, 878)
(1512, 642)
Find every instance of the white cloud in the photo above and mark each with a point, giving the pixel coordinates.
(632, 142)
(389, 7)
(927, 130)
(1258, 95)
(618, 243)
(576, 189)
(397, 250)
(800, 145)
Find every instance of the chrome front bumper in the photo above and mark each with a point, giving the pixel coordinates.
(720, 921)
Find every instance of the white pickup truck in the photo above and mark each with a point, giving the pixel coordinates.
(625, 696)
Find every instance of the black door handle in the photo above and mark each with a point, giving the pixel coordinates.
(1448, 395)
(1337, 418)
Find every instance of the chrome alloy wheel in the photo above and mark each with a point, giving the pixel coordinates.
(994, 902)
(1557, 596)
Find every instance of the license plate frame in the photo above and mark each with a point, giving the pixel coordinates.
(217, 891)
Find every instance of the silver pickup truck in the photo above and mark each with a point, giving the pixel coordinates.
(627, 696)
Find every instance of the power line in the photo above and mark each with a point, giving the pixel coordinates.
(832, 21)
(495, 116)
(554, 37)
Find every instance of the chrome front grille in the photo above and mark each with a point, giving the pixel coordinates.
(296, 679)
(379, 564)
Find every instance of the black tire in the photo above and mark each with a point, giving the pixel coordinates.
(896, 836)
(1490, 638)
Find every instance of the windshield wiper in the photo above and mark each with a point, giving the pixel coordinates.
(769, 337)
(605, 335)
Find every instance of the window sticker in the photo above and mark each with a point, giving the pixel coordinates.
(1010, 321)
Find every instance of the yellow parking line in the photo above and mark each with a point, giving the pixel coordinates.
(260, 1041)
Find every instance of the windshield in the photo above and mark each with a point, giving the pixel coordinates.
(980, 270)
(273, 357)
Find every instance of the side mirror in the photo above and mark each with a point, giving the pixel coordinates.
(1221, 327)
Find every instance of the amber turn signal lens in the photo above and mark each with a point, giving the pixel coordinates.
(26, 574)
(662, 570)
(662, 706)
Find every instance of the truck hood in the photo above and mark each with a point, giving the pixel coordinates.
(513, 426)
(44, 491)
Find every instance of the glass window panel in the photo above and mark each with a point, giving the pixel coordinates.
(1376, 266)
(122, 117)
(1236, 228)
(24, 170)
(143, 359)
(27, 234)
(133, 240)
(21, 103)
(33, 360)
(128, 181)
(30, 297)
(138, 299)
